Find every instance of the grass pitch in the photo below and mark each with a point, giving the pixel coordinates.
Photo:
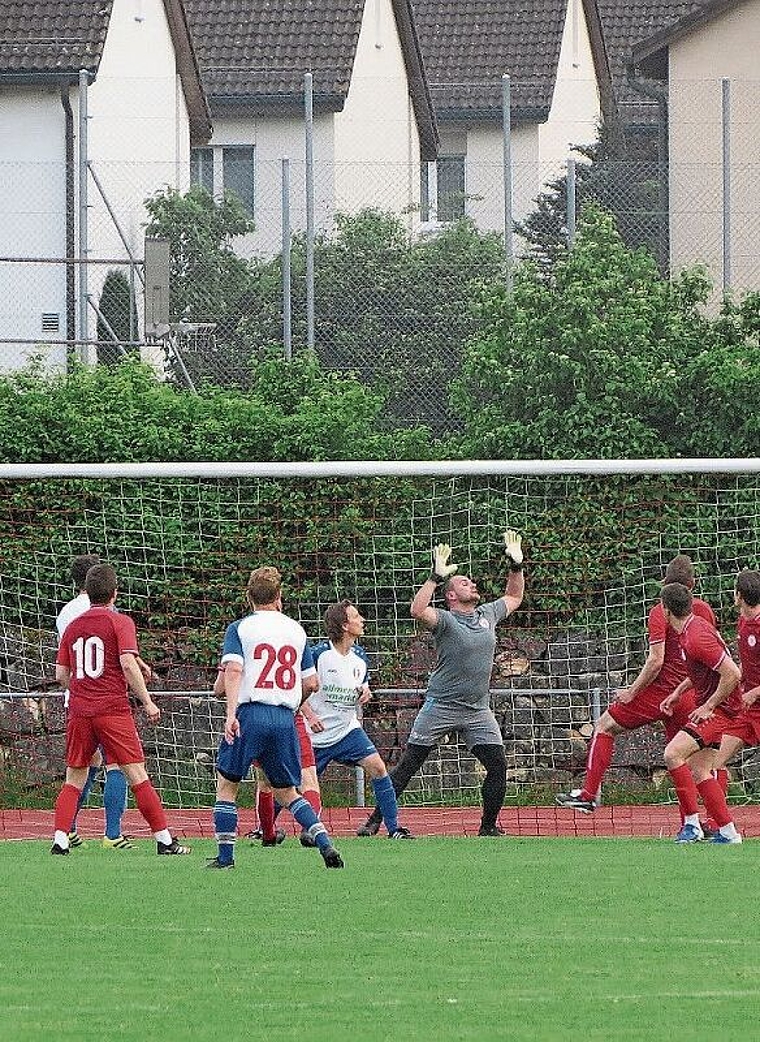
(437, 939)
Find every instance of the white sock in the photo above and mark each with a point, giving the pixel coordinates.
(62, 839)
(692, 819)
(164, 836)
(729, 831)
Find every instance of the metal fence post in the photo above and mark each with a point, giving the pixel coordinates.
(83, 218)
(287, 330)
(726, 163)
(506, 108)
(570, 203)
(308, 93)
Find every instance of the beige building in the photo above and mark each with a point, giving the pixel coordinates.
(145, 108)
(373, 116)
(709, 65)
(560, 87)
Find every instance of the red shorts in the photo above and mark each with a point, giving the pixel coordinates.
(709, 733)
(304, 741)
(645, 709)
(116, 733)
(746, 726)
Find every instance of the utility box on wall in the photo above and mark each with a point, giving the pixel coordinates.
(156, 287)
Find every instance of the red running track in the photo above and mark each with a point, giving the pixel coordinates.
(657, 821)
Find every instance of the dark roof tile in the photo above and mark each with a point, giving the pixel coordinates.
(59, 37)
(625, 23)
(468, 45)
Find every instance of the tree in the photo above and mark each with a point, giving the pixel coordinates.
(208, 282)
(632, 189)
(600, 361)
(116, 303)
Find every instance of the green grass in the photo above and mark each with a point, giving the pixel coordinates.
(439, 939)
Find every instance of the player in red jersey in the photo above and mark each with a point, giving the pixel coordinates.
(744, 730)
(714, 676)
(98, 661)
(640, 703)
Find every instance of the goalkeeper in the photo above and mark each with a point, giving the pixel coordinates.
(458, 694)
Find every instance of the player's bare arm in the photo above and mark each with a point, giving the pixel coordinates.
(750, 697)
(730, 675)
(513, 595)
(312, 720)
(233, 674)
(647, 674)
(136, 681)
(421, 609)
(62, 676)
(671, 701)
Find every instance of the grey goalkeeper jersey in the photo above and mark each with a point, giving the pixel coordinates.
(466, 644)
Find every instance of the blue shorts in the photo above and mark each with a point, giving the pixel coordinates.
(349, 750)
(268, 736)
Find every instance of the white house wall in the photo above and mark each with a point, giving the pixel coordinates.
(138, 134)
(727, 47)
(484, 174)
(32, 222)
(377, 144)
(273, 139)
(575, 111)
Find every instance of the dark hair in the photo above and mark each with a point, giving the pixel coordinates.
(80, 566)
(680, 570)
(336, 617)
(263, 586)
(677, 599)
(100, 583)
(748, 587)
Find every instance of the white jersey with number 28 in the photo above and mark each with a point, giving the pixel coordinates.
(272, 649)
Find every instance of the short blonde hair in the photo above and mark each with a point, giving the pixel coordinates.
(264, 586)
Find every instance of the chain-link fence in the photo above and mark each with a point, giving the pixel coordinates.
(360, 250)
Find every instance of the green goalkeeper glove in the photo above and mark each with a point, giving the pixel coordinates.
(513, 549)
(441, 568)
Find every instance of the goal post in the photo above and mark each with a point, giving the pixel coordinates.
(183, 538)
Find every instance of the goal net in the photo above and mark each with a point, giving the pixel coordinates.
(183, 540)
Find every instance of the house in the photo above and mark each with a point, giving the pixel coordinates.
(625, 23)
(554, 54)
(707, 65)
(372, 112)
(145, 106)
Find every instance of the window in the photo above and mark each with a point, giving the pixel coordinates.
(233, 163)
(238, 173)
(202, 168)
(451, 195)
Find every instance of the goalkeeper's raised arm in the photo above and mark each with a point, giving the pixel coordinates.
(515, 589)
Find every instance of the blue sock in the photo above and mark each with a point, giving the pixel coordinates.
(84, 794)
(114, 801)
(304, 814)
(225, 830)
(385, 798)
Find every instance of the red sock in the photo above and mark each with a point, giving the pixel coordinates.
(722, 777)
(314, 800)
(686, 790)
(265, 812)
(66, 807)
(149, 805)
(714, 801)
(599, 759)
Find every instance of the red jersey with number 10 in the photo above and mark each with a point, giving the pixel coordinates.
(704, 650)
(90, 649)
(673, 670)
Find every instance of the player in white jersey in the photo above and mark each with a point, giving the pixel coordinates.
(268, 670)
(342, 668)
